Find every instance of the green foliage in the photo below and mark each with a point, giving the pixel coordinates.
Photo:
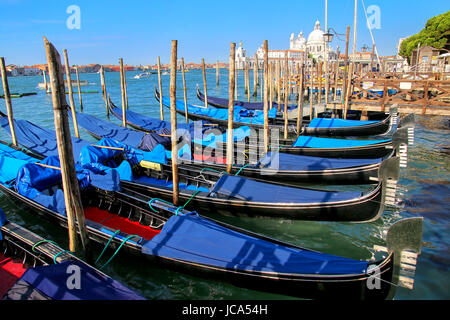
(435, 34)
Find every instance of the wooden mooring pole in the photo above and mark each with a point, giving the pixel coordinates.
(161, 107)
(8, 103)
(104, 91)
(79, 89)
(184, 91)
(300, 102)
(72, 198)
(122, 91)
(286, 95)
(72, 102)
(205, 88)
(266, 96)
(231, 89)
(217, 73)
(173, 120)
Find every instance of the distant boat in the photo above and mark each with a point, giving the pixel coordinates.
(165, 73)
(41, 85)
(142, 75)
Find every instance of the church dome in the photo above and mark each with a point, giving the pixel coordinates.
(316, 36)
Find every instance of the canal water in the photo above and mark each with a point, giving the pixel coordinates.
(423, 186)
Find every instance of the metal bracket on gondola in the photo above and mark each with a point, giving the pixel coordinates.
(391, 192)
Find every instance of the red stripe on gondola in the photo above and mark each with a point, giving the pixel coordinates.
(116, 222)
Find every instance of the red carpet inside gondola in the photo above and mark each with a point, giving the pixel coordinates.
(10, 271)
(115, 222)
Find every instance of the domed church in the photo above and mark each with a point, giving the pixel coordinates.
(315, 44)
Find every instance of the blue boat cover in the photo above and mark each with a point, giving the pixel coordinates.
(52, 281)
(337, 123)
(156, 125)
(241, 115)
(199, 240)
(210, 140)
(251, 190)
(243, 104)
(38, 139)
(43, 184)
(318, 142)
(292, 162)
(10, 162)
(105, 129)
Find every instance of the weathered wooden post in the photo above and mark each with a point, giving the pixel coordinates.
(286, 95)
(235, 83)
(311, 91)
(161, 107)
(348, 91)
(205, 88)
(247, 83)
(122, 90)
(79, 89)
(72, 198)
(255, 77)
(270, 85)
(344, 80)
(266, 97)
(8, 103)
(300, 102)
(104, 91)
(231, 89)
(184, 91)
(217, 72)
(72, 103)
(125, 87)
(279, 85)
(173, 120)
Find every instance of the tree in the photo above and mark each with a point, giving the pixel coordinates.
(436, 34)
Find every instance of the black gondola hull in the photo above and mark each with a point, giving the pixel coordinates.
(314, 286)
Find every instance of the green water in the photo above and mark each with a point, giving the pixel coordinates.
(424, 188)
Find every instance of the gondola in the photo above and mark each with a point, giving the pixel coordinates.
(32, 268)
(223, 104)
(273, 166)
(148, 124)
(148, 174)
(185, 241)
(252, 144)
(255, 119)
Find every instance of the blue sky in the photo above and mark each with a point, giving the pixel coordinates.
(139, 31)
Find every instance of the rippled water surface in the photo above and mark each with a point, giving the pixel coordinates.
(424, 188)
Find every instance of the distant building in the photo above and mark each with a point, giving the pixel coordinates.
(300, 48)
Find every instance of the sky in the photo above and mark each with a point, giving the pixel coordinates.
(139, 31)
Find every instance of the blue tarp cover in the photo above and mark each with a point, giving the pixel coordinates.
(222, 114)
(211, 139)
(337, 123)
(318, 142)
(251, 190)
(105, 129)
(195, 239)
(38, 139)
(10, 162)
(53, 280)
(292, 162)
(42, 184)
